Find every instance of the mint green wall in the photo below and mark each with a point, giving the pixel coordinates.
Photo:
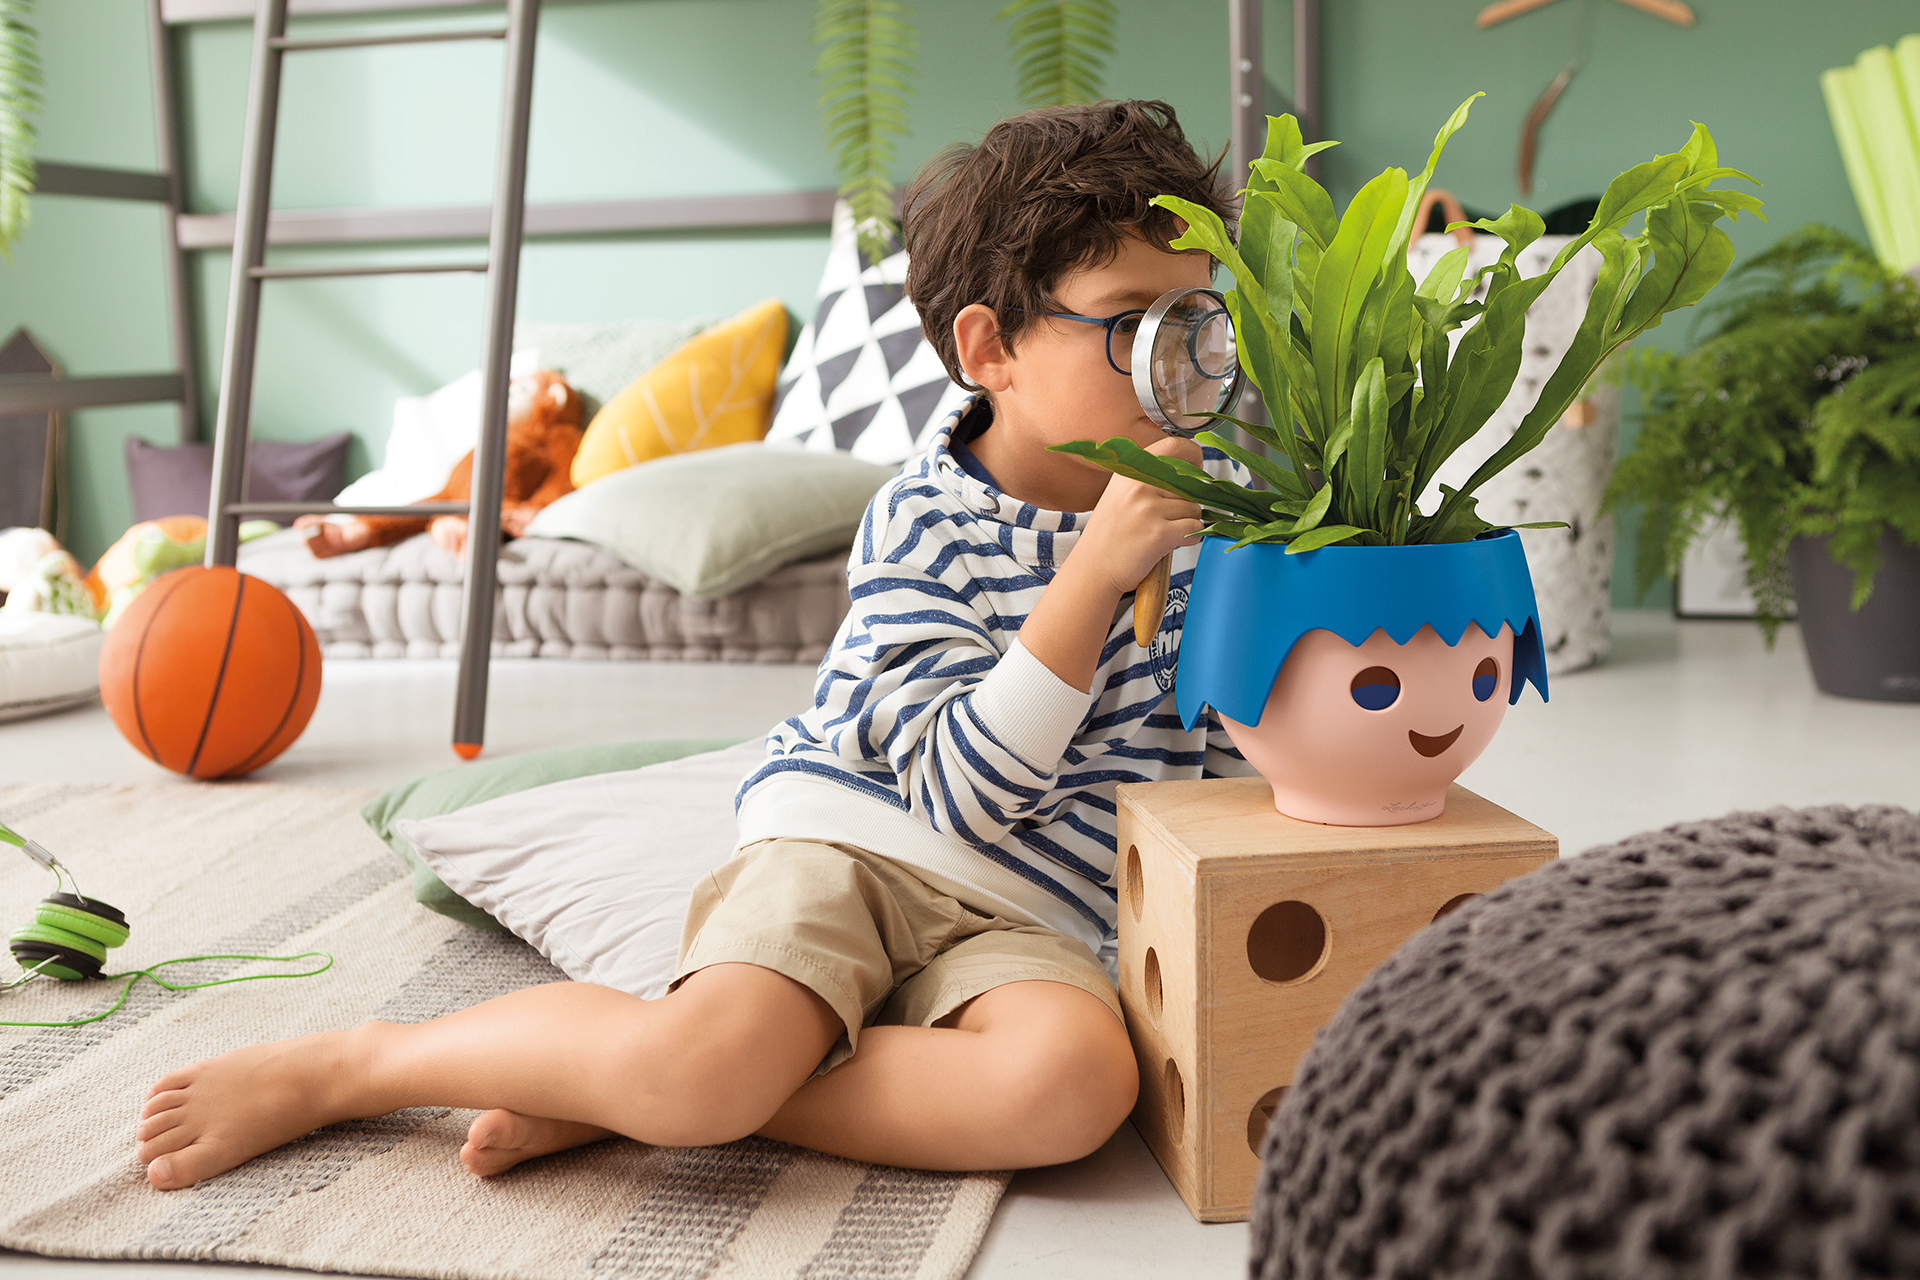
(639, 98)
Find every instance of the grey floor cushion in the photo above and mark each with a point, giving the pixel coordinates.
(557, 599)
(1694, 1053)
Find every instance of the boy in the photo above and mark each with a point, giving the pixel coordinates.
(900, 963)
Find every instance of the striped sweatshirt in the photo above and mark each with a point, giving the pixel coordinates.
(937, 740)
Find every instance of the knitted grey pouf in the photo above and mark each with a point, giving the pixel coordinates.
(1695, 1053)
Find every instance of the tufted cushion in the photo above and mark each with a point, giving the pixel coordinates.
(556, 599)
(48, 662)
(1695, 1053)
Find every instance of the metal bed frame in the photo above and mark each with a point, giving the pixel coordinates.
(254, 227)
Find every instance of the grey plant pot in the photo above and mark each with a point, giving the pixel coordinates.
(1874, 653)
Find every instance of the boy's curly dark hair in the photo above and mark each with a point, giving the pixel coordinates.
(1044, 192)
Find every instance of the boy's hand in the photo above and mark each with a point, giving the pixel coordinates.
(1135, 524)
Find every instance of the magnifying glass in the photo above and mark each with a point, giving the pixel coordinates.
(1185, 367)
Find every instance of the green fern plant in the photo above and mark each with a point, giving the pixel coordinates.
(19, 103)
(1355, 359)
(1799, 415)
(866, 67)
(1060, 48)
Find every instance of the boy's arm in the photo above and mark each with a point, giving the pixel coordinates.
(972, 735)
(1133, 526)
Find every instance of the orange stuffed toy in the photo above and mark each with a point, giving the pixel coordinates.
(543, 433)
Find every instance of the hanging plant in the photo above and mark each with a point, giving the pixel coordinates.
(1354, 357)
(866, 68)
(1060, 48)
(19, 103)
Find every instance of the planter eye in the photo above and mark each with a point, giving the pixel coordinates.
(1485, 677)
(1376, 688)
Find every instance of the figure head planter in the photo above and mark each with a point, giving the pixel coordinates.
(1327, 588)
(1360, 681)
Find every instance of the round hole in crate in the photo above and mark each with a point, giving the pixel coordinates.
(1454, 904)
(1288, 943)
(1136, 884)
(1262, 1115)
(1176, 1090)
(1150, 979)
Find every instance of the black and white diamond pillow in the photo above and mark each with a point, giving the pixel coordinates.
(862, 377)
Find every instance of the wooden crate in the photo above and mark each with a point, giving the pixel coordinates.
(1242, 930)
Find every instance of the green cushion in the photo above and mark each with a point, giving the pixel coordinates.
(471, 784)
(714, 521)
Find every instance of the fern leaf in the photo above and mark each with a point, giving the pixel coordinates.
(1060, 48)
(866, 72)
(19, 103)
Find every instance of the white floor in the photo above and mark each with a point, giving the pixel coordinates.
(1685, 720)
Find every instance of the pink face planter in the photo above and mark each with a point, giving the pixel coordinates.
(1360, 681)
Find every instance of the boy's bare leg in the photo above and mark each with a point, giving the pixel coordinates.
(709, 1063)
(1027, 1074)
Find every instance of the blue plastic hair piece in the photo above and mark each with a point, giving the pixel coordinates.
(1249, 607)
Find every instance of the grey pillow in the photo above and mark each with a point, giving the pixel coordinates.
(178, 480)
(714, 521)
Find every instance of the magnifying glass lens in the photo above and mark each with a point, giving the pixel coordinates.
(1212, 345)
(1193, 357)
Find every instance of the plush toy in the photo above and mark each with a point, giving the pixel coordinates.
(149, 549)
(37, 575)
(543, 433)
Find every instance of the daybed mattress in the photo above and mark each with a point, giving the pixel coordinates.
(557, 599)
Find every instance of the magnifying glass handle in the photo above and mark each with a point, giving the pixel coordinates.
(1150, 601)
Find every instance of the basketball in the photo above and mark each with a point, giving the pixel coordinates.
(210, 672)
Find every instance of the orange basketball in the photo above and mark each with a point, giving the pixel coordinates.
(210, 672)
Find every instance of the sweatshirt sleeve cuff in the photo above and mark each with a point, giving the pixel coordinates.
(1029, 710)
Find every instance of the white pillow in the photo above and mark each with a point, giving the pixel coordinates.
(430, 434)
(596, 873)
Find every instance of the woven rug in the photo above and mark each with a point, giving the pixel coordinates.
(274, 870)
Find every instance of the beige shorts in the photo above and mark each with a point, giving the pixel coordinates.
(869, 937)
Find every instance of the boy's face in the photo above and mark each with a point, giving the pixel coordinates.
(1056, 385)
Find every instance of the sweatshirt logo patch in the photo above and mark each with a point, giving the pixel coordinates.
(1163, 655)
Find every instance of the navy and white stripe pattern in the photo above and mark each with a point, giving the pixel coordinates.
(927, 706)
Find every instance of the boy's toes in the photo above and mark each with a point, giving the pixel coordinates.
(171, 1172)
(500, 1139)
(163, 1144)
(158, 1122)
(169, 1083)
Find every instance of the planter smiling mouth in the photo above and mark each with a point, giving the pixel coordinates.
(1360, 681)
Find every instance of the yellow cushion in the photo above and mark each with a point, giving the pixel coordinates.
(718, 389)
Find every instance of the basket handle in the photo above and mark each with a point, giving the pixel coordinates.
(1449, 206)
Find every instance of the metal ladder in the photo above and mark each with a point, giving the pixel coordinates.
(502, 269)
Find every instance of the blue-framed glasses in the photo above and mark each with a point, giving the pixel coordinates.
(1126, 324)
(1179, 353)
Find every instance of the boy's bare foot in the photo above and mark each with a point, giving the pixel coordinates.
(214, 1115)
(500, 1139)
(326, 538)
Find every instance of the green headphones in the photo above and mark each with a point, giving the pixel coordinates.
(71, 935)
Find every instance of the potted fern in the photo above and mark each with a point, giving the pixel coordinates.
(1360, 649)
(1799, 419)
